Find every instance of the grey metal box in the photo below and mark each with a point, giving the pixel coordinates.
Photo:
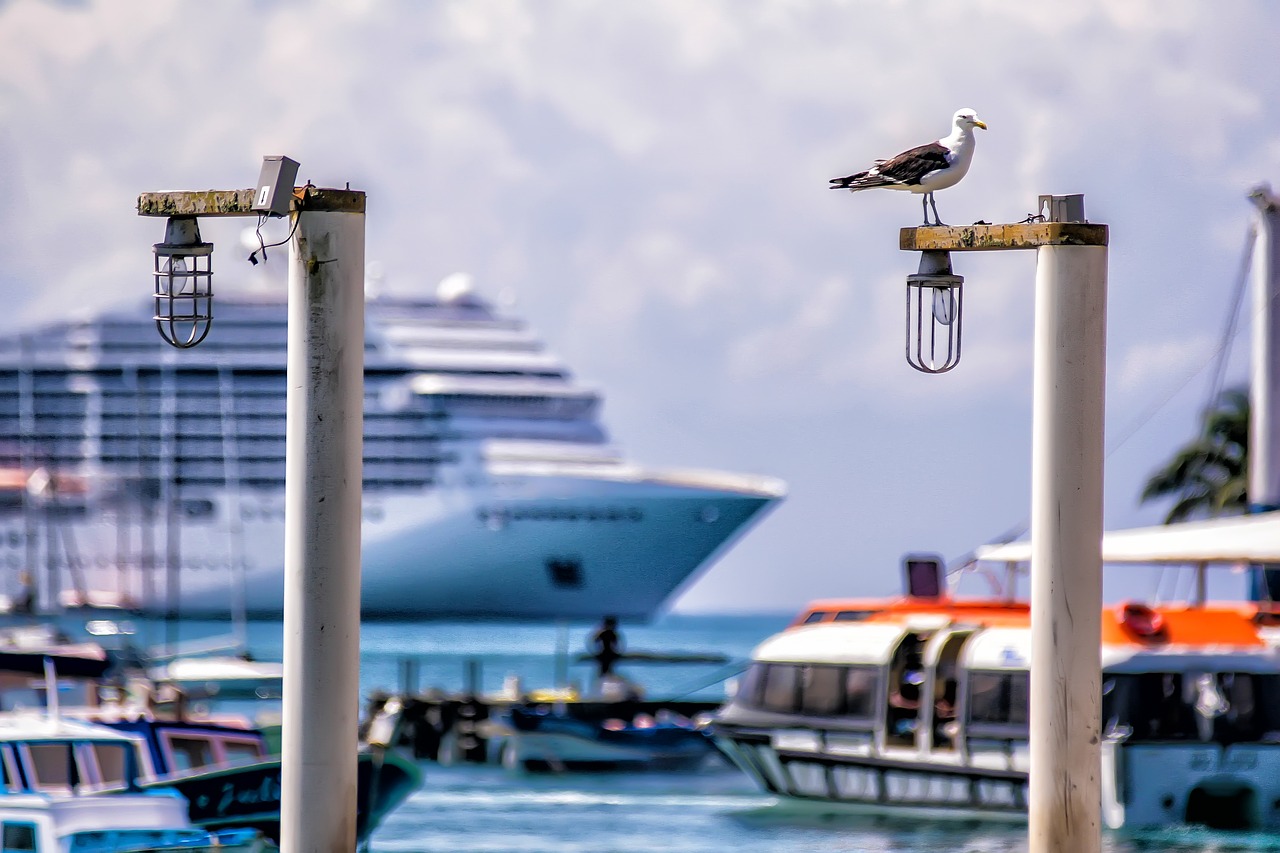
(275, 185)
(1063, 208)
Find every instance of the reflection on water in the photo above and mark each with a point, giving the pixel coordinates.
(472, 809)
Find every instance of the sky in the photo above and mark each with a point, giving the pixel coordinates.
(645, 181)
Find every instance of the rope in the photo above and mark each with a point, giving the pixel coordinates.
(1218, 358)
(1233, 320)
(732, 669)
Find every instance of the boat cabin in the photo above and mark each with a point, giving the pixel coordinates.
(40, 754)
(924, 702)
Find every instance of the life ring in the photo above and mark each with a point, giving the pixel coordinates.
(1140, 620)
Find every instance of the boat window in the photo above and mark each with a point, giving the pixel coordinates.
(779, 693)
(1261, 720)
(241, 751)
(18, 837)
(999, 698)
(1151, 704)
(860, 691)
(749, 690)
(188, 753)
(815, 616)
(822, 690)
(52, 765)
(852, 615)
(112, 761)
(1226, 707)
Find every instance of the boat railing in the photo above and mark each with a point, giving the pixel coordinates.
(206, 769)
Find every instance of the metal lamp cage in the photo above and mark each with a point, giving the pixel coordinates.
(933, 345)
(183, 284)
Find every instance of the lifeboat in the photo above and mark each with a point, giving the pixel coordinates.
(918, 706)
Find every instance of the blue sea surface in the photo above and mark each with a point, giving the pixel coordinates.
(488, 809)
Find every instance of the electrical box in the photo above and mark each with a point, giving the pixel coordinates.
(1062, 208)
(275, 185)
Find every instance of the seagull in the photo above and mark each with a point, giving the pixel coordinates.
(925, 168)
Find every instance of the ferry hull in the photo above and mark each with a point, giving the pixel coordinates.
(1144, 787)
(874, 785)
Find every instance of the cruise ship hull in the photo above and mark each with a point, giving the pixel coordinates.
(530, 548)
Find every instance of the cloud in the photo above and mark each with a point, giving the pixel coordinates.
(650, 178)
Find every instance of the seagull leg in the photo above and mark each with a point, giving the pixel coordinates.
(924, 207)
(933, 204)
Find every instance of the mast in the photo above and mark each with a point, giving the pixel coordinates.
(1264, 409)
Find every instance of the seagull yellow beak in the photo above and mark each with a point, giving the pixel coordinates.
(979, 123)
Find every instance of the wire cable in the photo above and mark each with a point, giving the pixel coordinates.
(263, 245)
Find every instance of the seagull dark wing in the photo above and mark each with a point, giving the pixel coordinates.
(910, 166)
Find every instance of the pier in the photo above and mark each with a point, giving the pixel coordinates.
(453, 727)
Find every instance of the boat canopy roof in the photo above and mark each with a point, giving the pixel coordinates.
(28, 727)
(998, 648)
(1246, 538)
(837, 643)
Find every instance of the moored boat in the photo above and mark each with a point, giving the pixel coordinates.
(535, 739)
(226, 769)
(918, 706)
(68, 787)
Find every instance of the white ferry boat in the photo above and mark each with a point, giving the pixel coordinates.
(918, 707)
(143, 477)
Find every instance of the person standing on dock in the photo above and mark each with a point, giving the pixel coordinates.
(606, 646)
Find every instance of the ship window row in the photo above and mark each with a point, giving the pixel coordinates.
(194, 467)
(400, 479)
(63, 456)
(130, 407)
(188, 463)
(502, 515)
(245, 427)
(44, 430)
(819, 690)
(245, 447)
(71, 404)
(519, 374)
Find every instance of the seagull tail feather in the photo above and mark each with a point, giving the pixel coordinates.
(860, 181)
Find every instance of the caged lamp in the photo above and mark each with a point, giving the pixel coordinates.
(934, 314)
(183, 283)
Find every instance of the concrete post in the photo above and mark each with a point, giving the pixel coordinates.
(322, 532)
(1066, 541)
(1264, 412)
(323, 466)
(1065, 799)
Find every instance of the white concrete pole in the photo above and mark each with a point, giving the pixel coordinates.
(1064, 804)
(322, 532)
(1264, 411)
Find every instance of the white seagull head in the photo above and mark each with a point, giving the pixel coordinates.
(966, 118)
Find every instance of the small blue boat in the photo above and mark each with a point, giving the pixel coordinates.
(543, 739)
(229, 779)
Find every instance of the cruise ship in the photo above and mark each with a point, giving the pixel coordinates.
(134, 475)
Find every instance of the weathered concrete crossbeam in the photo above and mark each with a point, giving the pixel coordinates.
(240, 202)
(1024, 235)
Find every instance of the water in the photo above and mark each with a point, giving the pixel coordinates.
(483, 809)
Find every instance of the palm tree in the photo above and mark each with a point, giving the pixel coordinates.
(1209, 476)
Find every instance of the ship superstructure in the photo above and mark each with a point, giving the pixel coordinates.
(154, 478)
